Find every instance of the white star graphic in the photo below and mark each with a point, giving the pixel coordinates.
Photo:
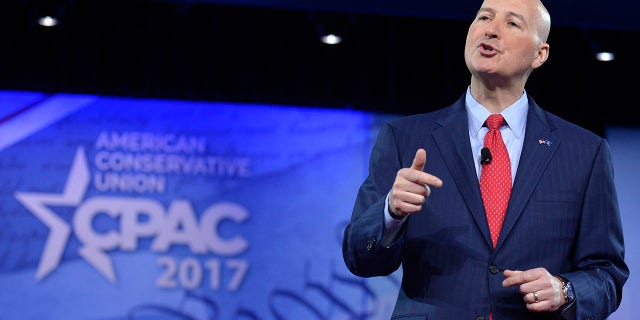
(38, 203)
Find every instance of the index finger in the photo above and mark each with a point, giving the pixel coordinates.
(516, 277)
(422, 177)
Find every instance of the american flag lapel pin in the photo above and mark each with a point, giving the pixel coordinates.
(544, 141)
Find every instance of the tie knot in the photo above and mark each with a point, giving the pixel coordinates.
(495, 121)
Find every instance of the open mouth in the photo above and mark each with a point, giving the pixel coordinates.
(487, 49)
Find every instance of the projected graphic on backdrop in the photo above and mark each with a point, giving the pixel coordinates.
(129, 209)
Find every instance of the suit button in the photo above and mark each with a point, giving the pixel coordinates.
(371, 243)
(493, 269)
(480, 318)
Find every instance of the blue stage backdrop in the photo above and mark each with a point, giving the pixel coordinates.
(118, 208)
(152, 209)
(625, 151)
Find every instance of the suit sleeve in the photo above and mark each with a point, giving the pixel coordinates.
(361, 244)
(599, 253)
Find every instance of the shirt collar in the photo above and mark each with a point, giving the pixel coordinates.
(515, 115)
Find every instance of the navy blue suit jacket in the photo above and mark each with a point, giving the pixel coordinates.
(562, 215)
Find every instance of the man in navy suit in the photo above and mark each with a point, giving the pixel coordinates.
(559, 253)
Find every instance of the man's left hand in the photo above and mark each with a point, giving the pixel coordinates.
(541, 291)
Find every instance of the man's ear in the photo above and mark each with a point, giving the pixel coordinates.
(542, 56)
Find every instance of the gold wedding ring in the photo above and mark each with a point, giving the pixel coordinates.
(535, 296)
(426, 187)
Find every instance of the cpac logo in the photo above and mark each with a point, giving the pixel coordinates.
(177, 226)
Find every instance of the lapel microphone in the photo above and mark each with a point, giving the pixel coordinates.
(485, 156)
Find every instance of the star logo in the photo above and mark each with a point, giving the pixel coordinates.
(59, 230)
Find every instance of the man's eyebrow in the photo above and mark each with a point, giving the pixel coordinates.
(509, 13)
(515, 14)
(487, 10)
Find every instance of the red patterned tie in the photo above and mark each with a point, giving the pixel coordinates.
(495, 178)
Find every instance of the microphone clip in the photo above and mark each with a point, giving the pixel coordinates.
(485, 156)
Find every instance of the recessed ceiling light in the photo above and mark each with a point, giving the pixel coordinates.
(48, 21)
(331, 39)
(605, 56)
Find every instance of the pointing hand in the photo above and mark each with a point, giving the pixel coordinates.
(411, 187)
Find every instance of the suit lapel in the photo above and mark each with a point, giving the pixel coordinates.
(452, 139)
(541, 141)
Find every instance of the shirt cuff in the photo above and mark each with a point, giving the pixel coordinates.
(391, 225)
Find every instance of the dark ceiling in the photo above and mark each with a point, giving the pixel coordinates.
(401, 56)
(611, 14)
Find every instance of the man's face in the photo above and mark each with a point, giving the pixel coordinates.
(503, 39)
